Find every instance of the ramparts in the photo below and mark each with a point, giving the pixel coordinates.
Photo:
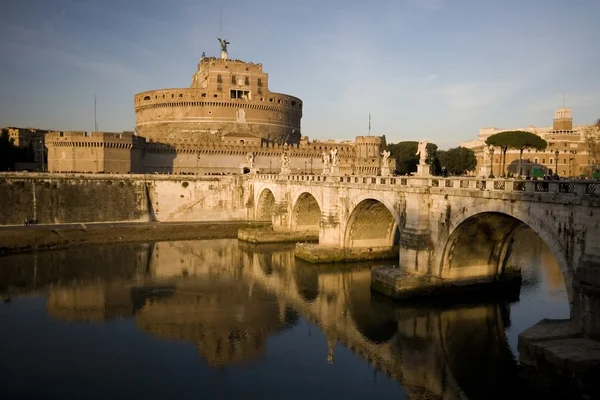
(76, 198)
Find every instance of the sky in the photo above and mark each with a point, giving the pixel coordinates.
(424, 69)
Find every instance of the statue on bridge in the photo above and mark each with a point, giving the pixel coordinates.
(385, 161)
(422, 152)
(250, 160)
(325, 158)
(334, 157)
(285, 160)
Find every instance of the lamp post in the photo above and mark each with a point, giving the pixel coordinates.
(492, 163)
(556, 153)
(40, 150)
(570, 167)
(305, 164)
(311, 161)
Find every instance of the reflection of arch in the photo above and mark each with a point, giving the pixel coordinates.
(375, 321)
(306, 213)
(306, 277)
(371, 224)
(475, 335)
(489, 217)
(265, 205)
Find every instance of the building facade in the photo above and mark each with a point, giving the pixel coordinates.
(226, 96)
(226, 122)
(567, 153)
(32, 141)
(108, 152)
(95, 152)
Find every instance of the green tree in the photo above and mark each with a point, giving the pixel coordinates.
(407, 160)
(458, 161)
(520, 140)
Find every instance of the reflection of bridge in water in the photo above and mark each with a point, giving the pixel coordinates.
(228, 300)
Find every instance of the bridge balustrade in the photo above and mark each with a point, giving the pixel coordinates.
(581, 187)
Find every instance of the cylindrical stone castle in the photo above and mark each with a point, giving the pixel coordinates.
(225, 96)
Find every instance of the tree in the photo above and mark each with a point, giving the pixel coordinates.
(458, 161)
(7, 152)
(407, 160)
(592, 140)
(520, 140)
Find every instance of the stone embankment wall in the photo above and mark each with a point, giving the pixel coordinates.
(68, 198)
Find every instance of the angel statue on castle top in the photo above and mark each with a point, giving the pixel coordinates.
(224, 44)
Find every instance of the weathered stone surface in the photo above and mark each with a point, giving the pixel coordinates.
(400, 284)
(268, 235)
(316, 254)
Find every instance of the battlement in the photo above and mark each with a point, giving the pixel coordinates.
(186, 97)
(86, 139)
(369, 139)
(208, 62)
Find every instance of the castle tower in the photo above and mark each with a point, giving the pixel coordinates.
(226, 97)
(563, 120)
(369, 146)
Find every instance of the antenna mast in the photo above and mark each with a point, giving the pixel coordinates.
(95, 122)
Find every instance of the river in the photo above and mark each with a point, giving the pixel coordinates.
(224, 319)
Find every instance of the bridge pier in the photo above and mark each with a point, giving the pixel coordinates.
(415, 242)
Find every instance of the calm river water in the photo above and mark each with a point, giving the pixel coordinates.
(222, 319)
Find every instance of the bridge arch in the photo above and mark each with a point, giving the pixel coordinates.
(371, 223)
(265, 204)
(306, 212)
(494, 226)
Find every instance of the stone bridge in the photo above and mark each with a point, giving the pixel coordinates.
(449, 232)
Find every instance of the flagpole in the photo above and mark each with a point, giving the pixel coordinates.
(369, 124)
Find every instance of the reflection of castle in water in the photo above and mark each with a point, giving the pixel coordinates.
(228, 297)
(227, 319)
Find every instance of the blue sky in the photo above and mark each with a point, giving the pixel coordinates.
(425, 69)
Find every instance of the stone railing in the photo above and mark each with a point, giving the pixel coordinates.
(579, 186)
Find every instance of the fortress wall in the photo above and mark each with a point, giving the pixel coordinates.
(69, 198)
(54, 199)
(177, 121)
(199, 199)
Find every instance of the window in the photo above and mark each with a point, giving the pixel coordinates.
(247, 81)
(543, 161)
(233, 81)
(259, 82)
(535, 160)
(239, 94)
(146, 97)
(551, 161)
(219, 79)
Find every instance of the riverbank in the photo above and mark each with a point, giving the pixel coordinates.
(40, 238)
